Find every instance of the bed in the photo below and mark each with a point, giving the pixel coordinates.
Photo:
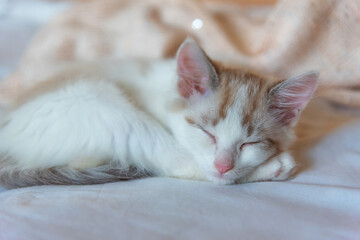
(321, 202)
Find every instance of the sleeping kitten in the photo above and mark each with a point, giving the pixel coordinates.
(185, 118)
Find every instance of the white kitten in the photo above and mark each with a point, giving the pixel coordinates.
(188, 118)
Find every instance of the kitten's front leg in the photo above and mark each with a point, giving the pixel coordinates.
(183, 166)
(280, 168)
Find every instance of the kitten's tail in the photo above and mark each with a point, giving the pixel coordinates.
(12, 176)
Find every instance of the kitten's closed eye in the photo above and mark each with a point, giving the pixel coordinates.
(212, 137)
(248, 144)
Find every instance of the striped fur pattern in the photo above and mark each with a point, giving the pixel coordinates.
(189, 117)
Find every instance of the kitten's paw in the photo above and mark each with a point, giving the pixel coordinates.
(279, 168)
(188, 171)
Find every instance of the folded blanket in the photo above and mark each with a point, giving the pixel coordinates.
(279, 40)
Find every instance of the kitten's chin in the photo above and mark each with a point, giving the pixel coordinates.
(221, 180)
(232, 177)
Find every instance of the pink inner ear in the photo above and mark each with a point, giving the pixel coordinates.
(193, 70)
(292, 96)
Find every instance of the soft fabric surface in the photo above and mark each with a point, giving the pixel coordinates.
(282, 40)
(321, 202)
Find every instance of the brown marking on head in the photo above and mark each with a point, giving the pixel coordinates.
(227, 101)
(254, 112)
(255, 95)
(250, 130)
(229, 81)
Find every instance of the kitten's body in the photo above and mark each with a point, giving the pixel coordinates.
(182, 118)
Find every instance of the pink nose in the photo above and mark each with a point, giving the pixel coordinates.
(223, 168)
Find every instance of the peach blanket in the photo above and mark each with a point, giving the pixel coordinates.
(281, 40)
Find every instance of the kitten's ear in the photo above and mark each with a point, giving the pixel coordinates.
(195, 71)
(288, 98)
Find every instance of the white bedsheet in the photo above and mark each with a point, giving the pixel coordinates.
(322, 202)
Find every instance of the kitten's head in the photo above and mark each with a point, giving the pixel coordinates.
(236, 120)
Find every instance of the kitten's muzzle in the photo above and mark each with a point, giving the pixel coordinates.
(224, 161)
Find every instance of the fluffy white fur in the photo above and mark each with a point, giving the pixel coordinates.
(131, 113)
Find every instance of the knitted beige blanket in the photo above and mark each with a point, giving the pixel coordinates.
(281, 40)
